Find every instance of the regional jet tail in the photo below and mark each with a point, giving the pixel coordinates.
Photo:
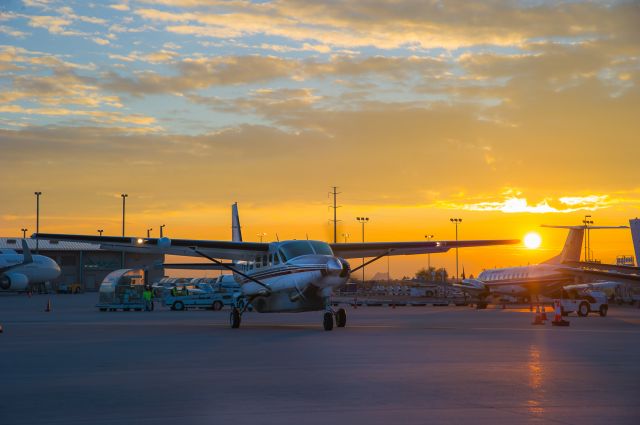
(282, 276)
(18, 271)
(546, 278)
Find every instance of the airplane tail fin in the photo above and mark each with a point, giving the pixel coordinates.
(26, 253)
(236, 231)
(635, 235)
(573, 244)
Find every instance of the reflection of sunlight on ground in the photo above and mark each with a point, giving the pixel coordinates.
(536, 378)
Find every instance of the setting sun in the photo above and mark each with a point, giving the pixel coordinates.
(532, 240)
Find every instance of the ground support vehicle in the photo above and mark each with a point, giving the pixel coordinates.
(69, 288)
(122, 290)
(211, 301)
(583, 304)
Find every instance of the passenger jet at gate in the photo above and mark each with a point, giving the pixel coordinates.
(18, 271)
(287, 276)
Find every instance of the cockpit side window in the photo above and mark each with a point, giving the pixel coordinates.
(282, 256)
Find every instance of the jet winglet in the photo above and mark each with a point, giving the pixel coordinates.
(26, 253)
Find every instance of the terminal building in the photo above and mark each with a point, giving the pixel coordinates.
(87, 264)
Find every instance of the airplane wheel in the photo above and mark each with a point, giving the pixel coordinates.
(341, 318)
(583, 309)
(234, 318)
(603, 310)
(328, 321)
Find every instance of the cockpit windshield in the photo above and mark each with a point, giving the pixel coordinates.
(293, 249)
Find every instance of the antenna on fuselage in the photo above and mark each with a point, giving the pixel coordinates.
(277, 237)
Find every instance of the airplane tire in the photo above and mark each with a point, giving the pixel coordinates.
(234, 318)
(341, 318)
(216, 306)
(481, 305)
(583, 309)
(603, 310)
(328, 321)
(178, 305)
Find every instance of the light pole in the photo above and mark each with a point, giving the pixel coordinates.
(24, 233)
(456, 221)
(124, 204)
(162, 227)
(363, 221)
(345, 236)
(261, 235)
(428, 237)
(100, 232)
(587, 242)
(37, 219)
(149, 232)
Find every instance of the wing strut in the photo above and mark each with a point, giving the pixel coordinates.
(233, 269)
(371, 261)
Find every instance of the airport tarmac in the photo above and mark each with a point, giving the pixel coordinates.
(409, 365)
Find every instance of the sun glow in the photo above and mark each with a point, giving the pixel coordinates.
(532, 240)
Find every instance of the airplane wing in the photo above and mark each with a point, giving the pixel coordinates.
(609, 271)
(375, 249)
(217, 249)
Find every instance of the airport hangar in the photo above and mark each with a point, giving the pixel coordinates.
(87, 264)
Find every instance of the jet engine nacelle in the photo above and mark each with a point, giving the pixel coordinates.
(164, 243)
(14, 282)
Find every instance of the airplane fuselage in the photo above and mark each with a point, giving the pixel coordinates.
(301, 283)
(525, 280)
(19, 276)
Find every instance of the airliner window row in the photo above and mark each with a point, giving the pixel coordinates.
(522, 275)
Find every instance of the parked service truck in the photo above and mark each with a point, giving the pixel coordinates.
(584, 303)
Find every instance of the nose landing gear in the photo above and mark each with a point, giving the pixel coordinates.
(328, 321)
(340, 318)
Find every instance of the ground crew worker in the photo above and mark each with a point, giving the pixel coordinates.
(147, 295)
(174, 291)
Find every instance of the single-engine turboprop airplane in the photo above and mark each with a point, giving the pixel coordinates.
(18, 271)
(287, 276)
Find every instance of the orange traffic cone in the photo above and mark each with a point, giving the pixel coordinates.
(558, 320)
(537, 319)
(543, 314)
(48, 309)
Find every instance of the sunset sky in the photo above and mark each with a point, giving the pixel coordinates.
(508, 114)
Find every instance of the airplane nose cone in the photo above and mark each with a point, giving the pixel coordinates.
(334, 266)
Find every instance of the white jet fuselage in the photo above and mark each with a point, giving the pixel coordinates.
(41, 269)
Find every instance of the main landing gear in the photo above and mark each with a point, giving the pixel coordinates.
(235, 317)
(340, 317)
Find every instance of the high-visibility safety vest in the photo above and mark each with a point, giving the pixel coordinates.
(147, 295)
